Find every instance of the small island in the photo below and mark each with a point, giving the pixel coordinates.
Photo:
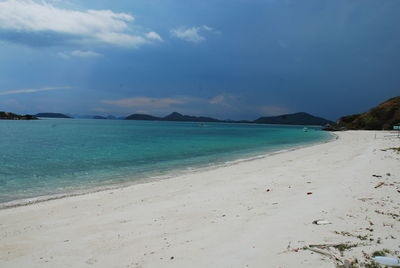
(52, 115)
(99, 117)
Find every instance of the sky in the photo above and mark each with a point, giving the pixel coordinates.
(229, 59)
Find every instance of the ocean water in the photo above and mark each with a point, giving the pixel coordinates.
(57, 156)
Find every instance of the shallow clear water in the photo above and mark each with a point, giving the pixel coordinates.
(61, 155)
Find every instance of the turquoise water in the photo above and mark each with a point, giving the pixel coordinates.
(56, 156)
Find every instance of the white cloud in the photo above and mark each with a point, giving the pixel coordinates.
(84, 54)
(63, 55)
(223, 99)
(217, 99)
(31, 90)
(274, 110)
(222, 105)
(190, 34)
(79, 53)
(145, 102)
(205, 27)
(91, 26)
(154, 36)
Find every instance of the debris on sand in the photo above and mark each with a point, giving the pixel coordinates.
(321, 222)
(396, 149)
(393, 262)
(324, 249)
(379, 184)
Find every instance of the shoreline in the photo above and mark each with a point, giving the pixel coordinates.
(258, 213)
(170, 174)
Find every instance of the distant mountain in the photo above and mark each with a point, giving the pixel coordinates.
(52, 115)
(187, 118)
(293, 119)
(177, 117)
(237, 121)
(289, 119)
(11, 116)
(99, 117)
(383, 116)
(80, 116)
(143, 117)
(88, 116)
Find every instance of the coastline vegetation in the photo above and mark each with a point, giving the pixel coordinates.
(12, 116)
(382, 117)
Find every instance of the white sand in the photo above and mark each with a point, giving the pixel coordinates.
(224, 217)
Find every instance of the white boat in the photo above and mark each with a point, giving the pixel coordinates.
(305, 129)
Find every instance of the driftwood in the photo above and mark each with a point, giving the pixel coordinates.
(323, 245)
(379, 184)
(364, 199)
(338, 262)
(324, 249)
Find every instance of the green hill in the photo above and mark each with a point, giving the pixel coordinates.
(11, 116)
(383, 116)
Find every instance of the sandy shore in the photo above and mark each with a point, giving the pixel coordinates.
(252, 214)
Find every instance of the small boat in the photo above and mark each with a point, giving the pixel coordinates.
(305, 129)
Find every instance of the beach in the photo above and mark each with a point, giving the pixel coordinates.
(256, 213)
